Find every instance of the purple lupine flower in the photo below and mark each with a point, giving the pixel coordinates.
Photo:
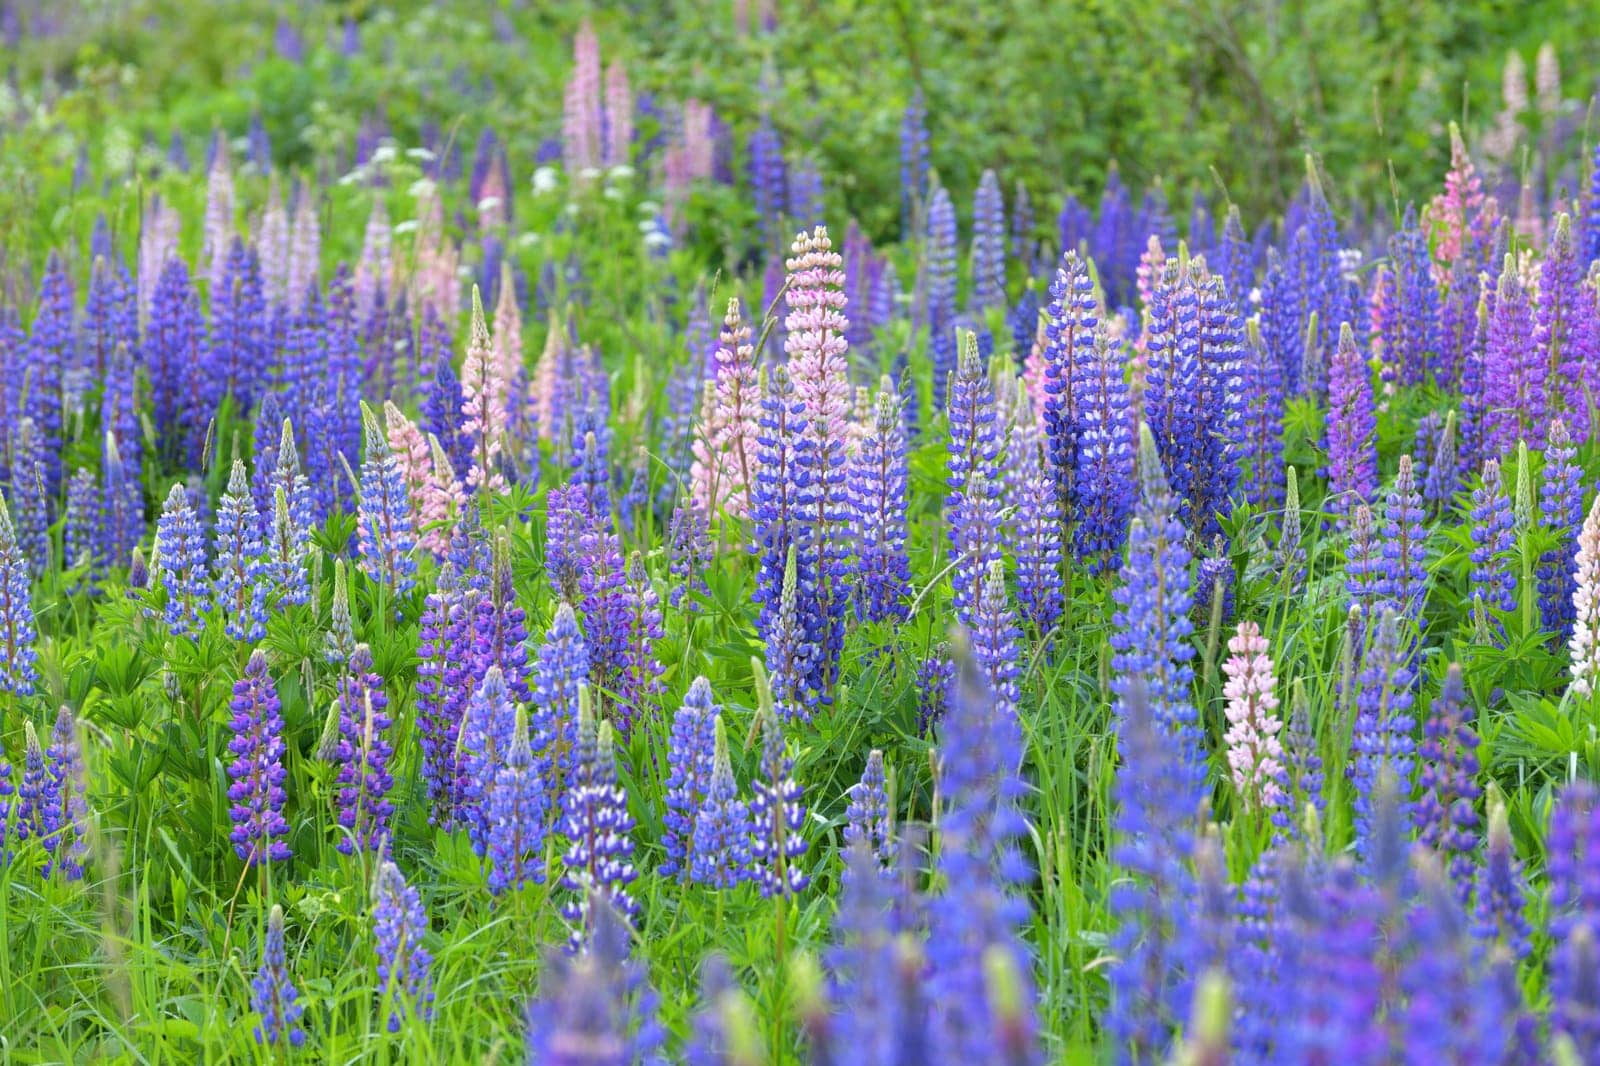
(1154, 597)
(1446, 815)
(1561, 510)
(1415, 345)
(257, 770)
(604, 607)
(438, 706)
(242, 580)
(776, 813)
(405, 967)
(558, 681)
(596, 822)
(1259, 436)
(877, 976)
(979, 863)
(640, 683)
(1501, 887)
(805, 191)
(722, 825)
(877, 483)
(1037, 533)
(1022, 222)
(973, 500)
(181, 549)
(1566, 334)
(363, 755)
(53, 808)
(500, 631)
(1381, 743)
(1303, 777)
(593, 467)
(1571, 846)
(1442, 479)
(37, 805)
(914, 166)
(266, 436)
(174, 343)
(28, 494)
(18, 657)
(1068, 370)
(53, 362)
(596, 999)
(996, 639)
(689, 765)
(122, 507)
(1493, 579)
(238, 329)
(939, 290)
(272, 991)
(936, 675)
(517, 815)
(486, 736)
(79, 536)
(1589, 248)
(1404, 581)
(1105, 481)
(988, 246)
(1364, 574)
(1514, 376)
(1023, 322)
(869, 819)
(768, 180)
(566, 519)
(384, 533)
(775, 508)
(689, 554)
(1351, 441)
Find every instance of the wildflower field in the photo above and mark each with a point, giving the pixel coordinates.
(758, 532)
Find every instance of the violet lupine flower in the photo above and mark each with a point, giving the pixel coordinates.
(405, 967)
(790, 651)
(605, 608)
(1561, 509)
(689, 764)
(1442, 479)
(1154, 597)
(1255, 754)
(486, 736)
(988, 246)
(1415, 345)
(689, 554)
(973, 500)
(1105, 482)
(1585, 642)
(242, 580)
(722, 825)
(18, 657)
(1571, 845)
(257, 770)
(363, 755)
(181, 548)
(1381, 743)
(567, 517)
(272, 991)
(914, 166)
(517, 815)
(869, 820)
(640, 683)
(1023, 322)
(776, 812)
(996, 639)
(877, 484)
(438, 706)
(1351, 441)
(769, 180)
(596, 822)
(1501, 887)
(1404, 581)
(37, 802)
(79, 536)
(500, 630)
(939, 291)
(775, 511)
(122, 507)
(52, 359)
(1514, 377)
(1446, 814)
(1493, 579)
(238, 329)
(936, 675)
(1566, 334)
(592, 465)
(1069, 368)
(1259, 436)
(384, 533)
(725, 458)
(1364, 574)
(595, 1001)
(876, 973)
(558, 682)
(1037, 533)
(51, 803)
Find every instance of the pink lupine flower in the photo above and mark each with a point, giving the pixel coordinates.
(305, 249)
(688, 158)
(443, 499)
(1034, 372)
(507, 328)
(435, 263)
(410, 447)
(272, 246)
(219, 216)
(1462, 217)
(1149, 268)
(492, 201)
(815, 343)
(619, 115)
(1585, 643)
(372, 271)
(1255, 754)
(483, 404)
(581, 118)
(725, 451)
(546, 373)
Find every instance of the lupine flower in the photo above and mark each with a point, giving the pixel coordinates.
(438, 705)
(272, 991)
(241, 585)
(913, 160)
(1404, 580)
(689, 554)
(183, 563)
(1585, 642)
(1514, 375)
(1068, 363)
(877, 975)
(1446, 815)
(1413, 341)
(973, 500)
(996, 640)
(483, 405)
(51, 806)
(18, 657)
(1105, 483)
(640, 682)
(1463, 217)
(500, 632)
(605, 608)
(1364, 561)
(79, 536)
(405, 977)
(877, 487)
(689, 765)
(595, 819)
(384, 532)
(940, 290)
(1570, 847)
(776, 813)
(725, 459)
(1352, 428)
(1493, 580)
(27, 494)
(1255, 754)
(595, 1001)
(1303, 776)
(1561, 509)
(869, 819)
(935, 675)
(988, 246)
(593, 467)
(1291, 554)
(567, 518)
(722, 826)
(1566, 333)
(486, 737)
(582, 122)
(558, 681)
(363, 754)
(1037, 535)
(517, 815)
(1381, 741)
(1501, 886)
(257, 769)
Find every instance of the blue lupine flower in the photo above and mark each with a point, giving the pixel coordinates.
(1404, 580)
(996, 640)
(517, 815)
(1493, 579)
(869, 821)
(776, 813)
(80, 540)
(1502, 888)
(18, 657)
(1104, 485)
(877, 490)
(973, 500)
(596, 822)
(940, 291)
(384, 533)
(1381, 740)
(242, 580)
(405, 977)
(272, 991)
(988, 246)
(914, 161)
(722, 827)
(1416, 345)
(558, 682)
(1561, 512)
(487, 731)
(181, 550)
(363, 755)
(690, 755)
(257, 770)
(789, 651)
(1446, 813)
(500, 632)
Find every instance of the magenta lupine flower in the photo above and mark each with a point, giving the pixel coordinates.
(1351, 441)
(363, 754)
(405, 967)
(1514, 376)
(689, 763)
(517, 815)
(596, 822)
(1585, 642)
(724, 466)
(583, 117)
(1255, 754)
(877, 481)
(18, 657)
(257, 769)
(1463, 217)
(484, 392)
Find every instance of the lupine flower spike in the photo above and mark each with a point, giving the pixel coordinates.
(272, 991)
